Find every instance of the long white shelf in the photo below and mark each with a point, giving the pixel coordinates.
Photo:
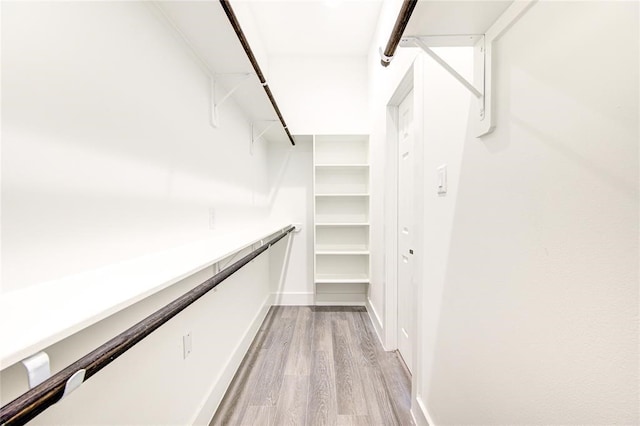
(38, 316)
(205, 30)
(438, 18)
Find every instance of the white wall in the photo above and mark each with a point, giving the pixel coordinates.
(291, 182)
(321, 94)
(108, 154)
(539, 313)
(107, 148)
(529, 303)
(152, 383)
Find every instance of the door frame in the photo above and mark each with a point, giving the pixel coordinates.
(412, 80)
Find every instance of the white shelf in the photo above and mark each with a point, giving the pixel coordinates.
(207, 33)
(342, 209)
(337, 247)
(342, 195)
(342, 224)
(33, 318)
(342, 252)
(342, 166)
(342, 279)
(438, 18)
(341, 150)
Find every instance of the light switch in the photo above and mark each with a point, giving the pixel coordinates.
(442, 179)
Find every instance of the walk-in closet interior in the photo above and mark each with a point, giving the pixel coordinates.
(320, 212)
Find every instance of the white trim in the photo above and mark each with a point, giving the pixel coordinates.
(210, 403)
(377, 323)
(421, 415)
(406, 85)
(318, 303)
(293, 299)
(419, 191)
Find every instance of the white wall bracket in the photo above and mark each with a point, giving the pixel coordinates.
(257, 131)
(482, 55)
(478, 41)
(234, 80)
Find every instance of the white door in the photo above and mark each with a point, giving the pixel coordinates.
(405, 230)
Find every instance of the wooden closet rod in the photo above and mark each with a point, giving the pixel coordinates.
(35, 401)
(398, 29)
(245, 45)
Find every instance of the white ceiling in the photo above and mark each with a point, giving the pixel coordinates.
(315, 27)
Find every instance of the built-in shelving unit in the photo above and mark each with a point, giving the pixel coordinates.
(341, 215)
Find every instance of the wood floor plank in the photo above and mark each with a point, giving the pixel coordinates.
(379, 406)
(363, 342)
(292, 404)
(322, 340)
(269, 326)
(299, 359)
(267, 385)
(258, 416)
(349, 390)
(354, 420)
(321, 402)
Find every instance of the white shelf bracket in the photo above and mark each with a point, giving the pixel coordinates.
(217, 99)
(257, 133)
(477, 91)
(482, 57)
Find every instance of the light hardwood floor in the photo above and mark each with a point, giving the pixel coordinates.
(312, 365)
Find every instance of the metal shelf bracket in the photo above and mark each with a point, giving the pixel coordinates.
(478, 89)
(257, 133)
(482, 57)
(217, 99)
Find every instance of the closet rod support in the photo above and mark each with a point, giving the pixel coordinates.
(216, 102)
(255, 137)
(422, 45)
(479, 94)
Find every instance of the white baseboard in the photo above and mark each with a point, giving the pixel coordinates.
(420, 413)
(210, 404)
(340, 303)
(377, 323)
(293, 299)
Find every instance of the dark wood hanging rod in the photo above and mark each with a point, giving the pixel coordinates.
(35, 401)
(228, 10)
(398, 29)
